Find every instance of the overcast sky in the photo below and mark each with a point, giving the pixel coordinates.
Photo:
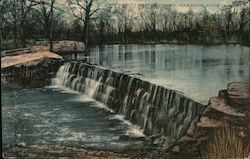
(180, 1)
(176, 2)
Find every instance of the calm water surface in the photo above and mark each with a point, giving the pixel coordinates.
(197, 71)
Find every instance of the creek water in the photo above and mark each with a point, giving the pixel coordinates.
(57, 115)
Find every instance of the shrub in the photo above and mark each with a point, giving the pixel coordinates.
(225, 144)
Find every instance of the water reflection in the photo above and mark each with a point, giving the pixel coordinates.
(198, 71)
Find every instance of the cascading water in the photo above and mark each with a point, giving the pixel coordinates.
(155, 109)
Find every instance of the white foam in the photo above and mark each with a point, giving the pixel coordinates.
(22, 144)
(133, 130)
(28, 115)
(76, 137)
(82, 98)
(70, 91)
(43, 125)
(121, 118)
(62, 89)
(45, 113)
(102, 106)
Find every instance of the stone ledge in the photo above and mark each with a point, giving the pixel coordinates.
(239, 93)
(225, 110)
(9, 61)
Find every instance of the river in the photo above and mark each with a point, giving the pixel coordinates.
(56, 115)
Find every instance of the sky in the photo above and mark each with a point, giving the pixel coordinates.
(178, 3)
(211, 5)
(221, 2)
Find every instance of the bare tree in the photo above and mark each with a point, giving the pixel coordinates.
(150, 17)
(86, 10)
(243, 20)
(124, 22)
(48, 13)
(10, 16)
(17, 14)
(165, 19)
(103, 24)
(25, 8)
(228, 11)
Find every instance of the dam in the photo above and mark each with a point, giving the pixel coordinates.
(155, 109)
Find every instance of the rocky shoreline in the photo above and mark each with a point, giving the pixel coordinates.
(231, 109)
(65, 152)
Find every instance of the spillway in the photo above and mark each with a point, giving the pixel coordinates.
(157, 110)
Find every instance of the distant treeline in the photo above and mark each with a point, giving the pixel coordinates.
(36, 19)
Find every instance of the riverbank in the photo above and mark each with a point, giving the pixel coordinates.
(57, 151)
(175, 42)
(9, 45)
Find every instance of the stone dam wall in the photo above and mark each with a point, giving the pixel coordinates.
(157, 110)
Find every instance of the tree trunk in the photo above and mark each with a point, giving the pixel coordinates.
(51, 26)
(15, 31)
(86, 30)
(22, 34)
(86, 24)
(15, 34)
(51, 38)
(22, 25)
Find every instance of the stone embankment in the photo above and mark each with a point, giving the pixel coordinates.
(231, 108)
(32, 69)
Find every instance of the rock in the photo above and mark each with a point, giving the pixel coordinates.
(33, 69)
(176, 148)
(192, 128)
(239, 93)
(206, 122)
(27, 59)
(220, 105)
(231, 108)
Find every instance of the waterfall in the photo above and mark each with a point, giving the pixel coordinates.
(92, 86)
(154, 108)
